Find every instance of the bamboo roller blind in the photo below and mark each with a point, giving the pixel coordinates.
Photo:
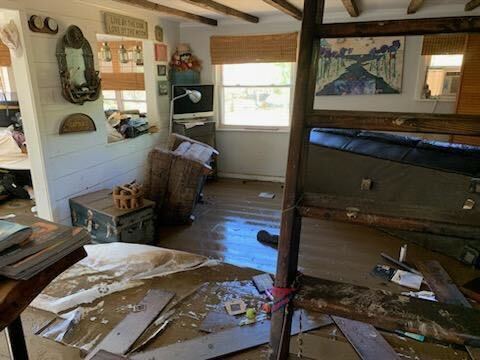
(5, 59)
(253, 49)
(469, 93)
(444, 44)
(118, 76)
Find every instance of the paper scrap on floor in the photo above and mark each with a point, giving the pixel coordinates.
(266, 195)
(117, 267)
(407, 279)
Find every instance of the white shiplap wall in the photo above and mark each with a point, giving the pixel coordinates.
(81, 163)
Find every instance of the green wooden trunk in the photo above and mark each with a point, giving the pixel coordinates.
(97, 214)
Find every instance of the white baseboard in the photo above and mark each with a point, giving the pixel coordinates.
(277, 179)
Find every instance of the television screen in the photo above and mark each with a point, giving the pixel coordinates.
(184, 108)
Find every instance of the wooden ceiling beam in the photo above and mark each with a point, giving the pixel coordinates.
(352, 7)
(471, 5)
(222, 9)
(145, 4)
(414, 6)
(286, 7)
(445, 25)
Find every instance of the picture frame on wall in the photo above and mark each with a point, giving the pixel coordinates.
(162, 70)
(161, 52)
(163, 87)
(159, 33)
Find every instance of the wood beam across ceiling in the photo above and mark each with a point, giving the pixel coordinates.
(446, 25)
(352, 7)
(471, 5)
(414, 6)
(145, 4)
(286, 7)
(222, 9)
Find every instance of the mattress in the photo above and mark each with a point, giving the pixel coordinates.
(398, 177)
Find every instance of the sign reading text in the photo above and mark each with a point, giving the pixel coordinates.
(127, 26)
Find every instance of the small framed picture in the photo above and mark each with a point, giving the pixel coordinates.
(158, 33)
(163, 87)
(162, 70)
(161, 52)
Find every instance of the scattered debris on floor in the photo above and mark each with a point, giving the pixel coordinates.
(211, 319)
(266, 195)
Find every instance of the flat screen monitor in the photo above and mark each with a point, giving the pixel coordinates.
(184, 108)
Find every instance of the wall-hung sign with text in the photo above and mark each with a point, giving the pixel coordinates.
(122, 25)
(77, 123)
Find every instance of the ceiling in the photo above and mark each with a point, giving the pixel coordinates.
(334, 9)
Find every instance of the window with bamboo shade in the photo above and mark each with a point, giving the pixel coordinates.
(444, 57)
(274, 48)
(123, 83)
(469, 92)
(121, 76)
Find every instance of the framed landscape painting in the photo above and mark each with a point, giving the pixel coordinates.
(360, 66)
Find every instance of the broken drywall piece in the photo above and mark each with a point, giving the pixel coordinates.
(407, 279)
(425, 295)
(267, 195)
(57, 305)
(140, 262)
(59, 329)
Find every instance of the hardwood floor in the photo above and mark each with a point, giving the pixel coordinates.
(227, 223)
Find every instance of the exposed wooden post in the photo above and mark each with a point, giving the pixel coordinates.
(222, 9)
(291, 220)
(145, 4)
(471, 5)
(352, 7)
(414, 6)
(286, 7)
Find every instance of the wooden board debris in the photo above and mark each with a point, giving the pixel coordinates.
(320, 348)
(262, 282)
(124, 335)
(441, 284)
(105, 355)
(365, 339)
(217, 321)
(445, 291)
(226, 342)
(386, 310)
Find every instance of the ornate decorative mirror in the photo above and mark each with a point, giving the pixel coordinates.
(80, 81)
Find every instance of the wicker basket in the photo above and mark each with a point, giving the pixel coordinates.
(127, 197)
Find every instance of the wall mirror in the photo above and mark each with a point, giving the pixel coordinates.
(80, 81)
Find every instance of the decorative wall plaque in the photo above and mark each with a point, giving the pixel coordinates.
(46, 25)
(80, 80)
(159, 33)
(122, 25)
(77, 123)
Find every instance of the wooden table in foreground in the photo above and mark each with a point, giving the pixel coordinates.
(16, 295)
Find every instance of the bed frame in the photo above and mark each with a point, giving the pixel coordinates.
(304, 118)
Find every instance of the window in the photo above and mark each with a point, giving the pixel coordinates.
(7, 90)
(122, 73)
(256, 95)
(442, 79)
(125, 100)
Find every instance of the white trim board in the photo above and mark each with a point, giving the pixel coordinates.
(276, 179)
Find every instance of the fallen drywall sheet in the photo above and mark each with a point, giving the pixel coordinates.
(139, 262)
(120, 266)
(85, 296)
(59, 329)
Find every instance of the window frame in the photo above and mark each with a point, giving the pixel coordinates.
(221, 97)
(422, 79)
(120, 100)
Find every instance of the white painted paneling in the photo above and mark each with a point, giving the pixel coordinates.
(80, 163)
